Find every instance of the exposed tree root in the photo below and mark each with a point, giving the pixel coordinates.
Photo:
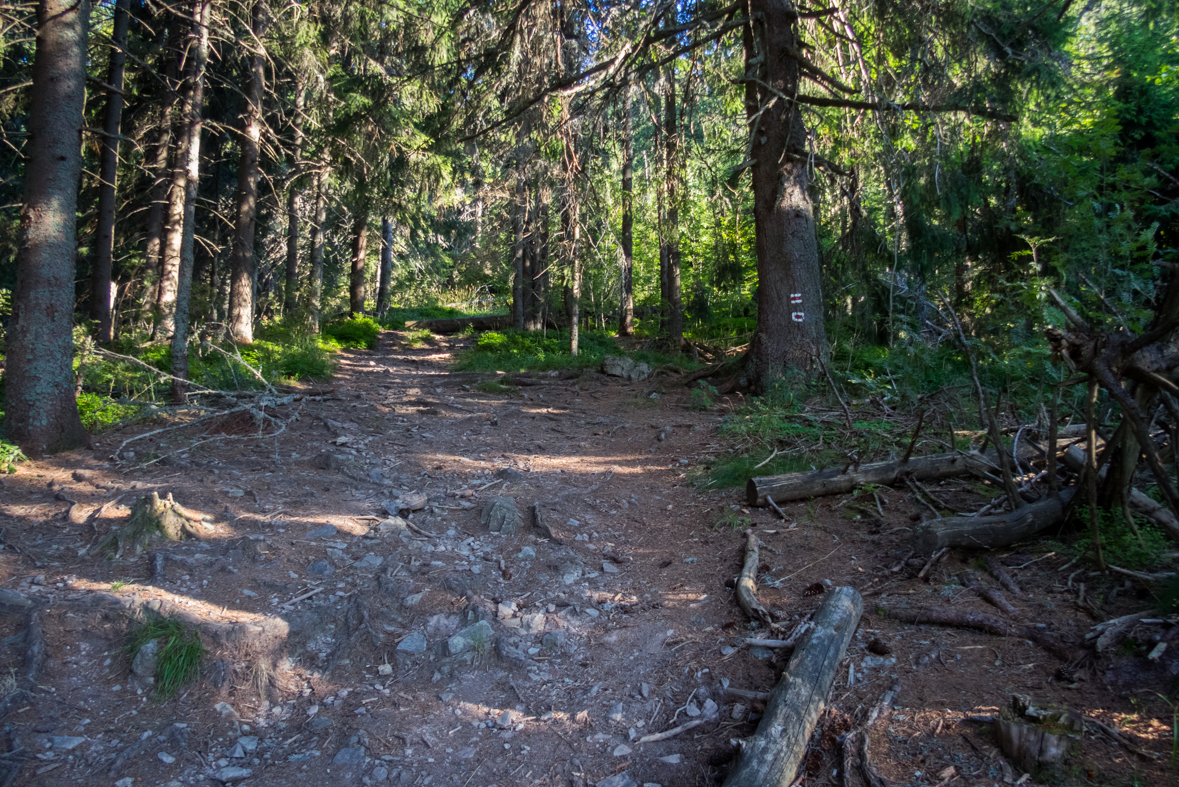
(986, 624)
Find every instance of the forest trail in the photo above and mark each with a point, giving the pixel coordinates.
(347, 646)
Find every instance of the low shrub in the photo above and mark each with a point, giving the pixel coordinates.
(354, 333)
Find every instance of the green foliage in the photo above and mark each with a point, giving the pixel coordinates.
(355, 333)
(10, 456)
(731, 520)
(516, 351)
(1119, 544)
(703, 395)
(396, 318)
(180, 652)
(100, 413)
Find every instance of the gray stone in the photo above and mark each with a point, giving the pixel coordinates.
(506, 720)
(237, 752)
(466, 753)
(533, 623)
(527, 553)
(414, 643)
(248, 742)
(379, 774)
(711, 711)
(321, 568)
(166, 758)
(232, 773)
(66, 742)
(626, 368)
(569, 572)
(615, 713)
(760, 653)
(327, 531)
(144, 665)
(618, 780)
(610, 568)
(392, 526)
(410, 501)
(554, 641)
(353, 755)
(226, 710)
(622, 750)
(671, 759)
(369, 561)
(475, 638)
(319, 724)
(126, 781)
(501, 515)
(508, 473)
(875, 662)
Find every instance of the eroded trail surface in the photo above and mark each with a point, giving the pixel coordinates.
(347, 645)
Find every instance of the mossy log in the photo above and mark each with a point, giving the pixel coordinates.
(151, 517)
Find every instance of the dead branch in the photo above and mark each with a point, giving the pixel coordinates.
(983, 623)
(747, 583)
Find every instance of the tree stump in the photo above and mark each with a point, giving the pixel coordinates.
(151, 517)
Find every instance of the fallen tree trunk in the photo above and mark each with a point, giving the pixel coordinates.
(1074, 459)
(771, 756)
(836, 481)
(989, 532)
(487, 322)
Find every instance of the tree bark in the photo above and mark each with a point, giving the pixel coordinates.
(386, 279)
(191, 147)
(626, 315)
(243, 266)
(108, 170)
(772, 755)
(359, 248)
(161, 171)
(291, 290)
(41, 413)
(315, 284)
(520, 220)
(790, 333)
(675, 307)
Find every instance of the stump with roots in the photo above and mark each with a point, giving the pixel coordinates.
(151, 518)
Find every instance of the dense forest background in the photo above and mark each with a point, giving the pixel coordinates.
(868, 197)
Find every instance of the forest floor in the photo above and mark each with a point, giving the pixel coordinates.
(341, 650)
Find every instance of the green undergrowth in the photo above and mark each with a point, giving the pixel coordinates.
(396, 317)
(419, 337)
(180, 652)
(514, 351)
(100, 413)
(1120, 545)
(10, 455)
(354, 333)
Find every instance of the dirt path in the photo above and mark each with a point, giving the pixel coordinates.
(437, 652)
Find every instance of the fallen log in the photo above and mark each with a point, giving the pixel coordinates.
(747, 583)
(487, 322)
(770, 757)
(837, 481)
(989, 532)
(1074, 459)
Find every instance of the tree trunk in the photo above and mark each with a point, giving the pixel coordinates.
(626, 316)
(101, 295)
(521, 211)
(191, 147)
(990, 532)
(243, 266)
(675, 309)
(772, 755)
(790, 332)
(161, 171)
(359, 247)
(291, 290)
(386, 279)
(315, 285)
(41, 414)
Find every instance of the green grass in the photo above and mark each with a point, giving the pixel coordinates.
(494, 387)
(398, 316)
(354, 333)
(532, 351)
(1119, 544)
(179, 655)
(419, 337)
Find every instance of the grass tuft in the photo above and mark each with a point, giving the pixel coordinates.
(179, 655)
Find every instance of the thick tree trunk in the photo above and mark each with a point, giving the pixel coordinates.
(626, 313)
(41, 414)
(315, 284)
(243, 266)
(790, 332)
(291, 290)
(675, 308)
(386, 279)
(990, 532)
(772, 755)
(359, 249)
(158, 207)
(191, 146)
(101, 295)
